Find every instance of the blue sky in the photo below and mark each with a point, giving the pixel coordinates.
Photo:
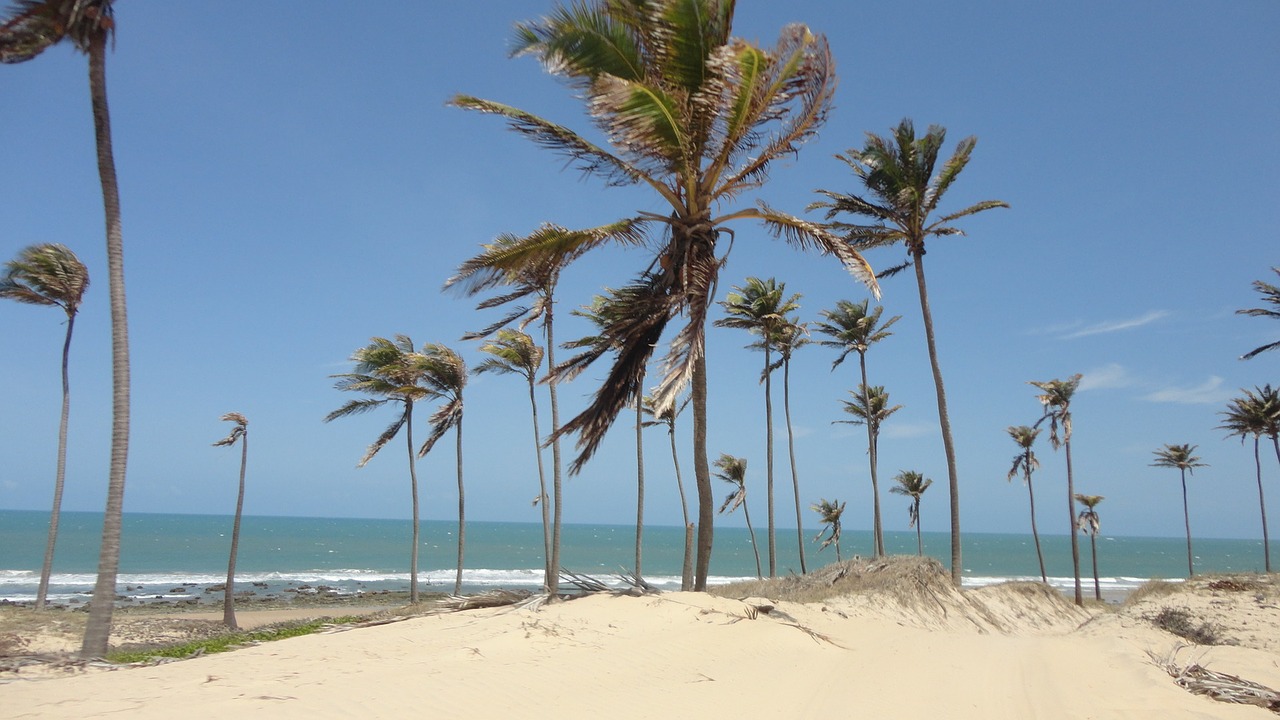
(294, 184)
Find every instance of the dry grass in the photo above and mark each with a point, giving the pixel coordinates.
(1152, 590)
(909, 580)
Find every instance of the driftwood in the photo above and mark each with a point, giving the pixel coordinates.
(1197, 679)
(492, 598)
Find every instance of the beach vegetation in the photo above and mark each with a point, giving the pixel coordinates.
(1090, 524)
(1180, 622)
(759, 307)
(51, 275)
(852, 327)
(1270, 297)
(444, 373)
(1256, 414)
(791, 337)
(912, 484)
(870, 406)
(228, 641)
(1181, 457)
(1026, 462)
(697, 116)
(1055, 398)
(667, 418)
(733, 470)
(903, 193)
(239, 433)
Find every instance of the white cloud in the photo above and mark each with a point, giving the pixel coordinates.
(1111, 326)
(1210, 392)
(903, 431)
(1108, 376)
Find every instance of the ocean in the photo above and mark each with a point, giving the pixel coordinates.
(172, 557)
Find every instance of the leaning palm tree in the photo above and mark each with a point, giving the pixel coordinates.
(1255, 414)
(444, 373)
(1090, 524)
(759, 307)
(830, 512)
(514, 352)
(904, 193)
(870, 407)
(34, 26)
(1026, 462)
(239, 432)
(50, 274)
(791, 337)
(1271, 296)
(697, 116)
(391, 371)
(1055, 398)
(854, 328)
(912, 484)
(733, 470)
(1181, 457)
(667, 418)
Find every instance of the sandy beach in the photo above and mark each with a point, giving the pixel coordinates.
(909, 648)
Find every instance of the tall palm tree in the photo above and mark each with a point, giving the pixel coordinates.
(758, 306)
(514, 352)
(698, 116)
(870, 407)
(667, 418)
(1055, 398)
(1181, 457)
(1257, 415)
(1271, 296)
(912, 484)
(830, 512)
(733, 470)
(529, 269)
(391, 371)
(34, 26)
(854, 328)
(444, 373)
(903, 193)
(1026, 462)
(239, 432)
(791, 337)
(50, 274)
(1090, 524)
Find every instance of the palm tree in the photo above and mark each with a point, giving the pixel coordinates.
(733, 470)
(912, 484)
(1181, 457)
(514, 352)
(1055, 398)
(791, 337)
(830, 510)
(50, 274)
(870, 407)
(697, 116)
(853, 328)
(759, 308)
(89, 24)
(1270, 295)
(1257, 415)
(1026, 462)
(390, 371)
(240, 431)
(445, 375)
(1089, 523)
(667, 418)
(904, 192)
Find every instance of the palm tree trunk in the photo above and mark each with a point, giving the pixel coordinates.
(553, 577)
(98, 627)
(46, 569)
(873, 431)
(791, 452)
(1035, 534)
(944, 420)
(702, 472)
(686, 569)
(1266, 540)
(639, 483)
(462, 513)
(1071, 510)
(919, 536)
(768, 454)
(1093, 553)
(542, 490)
(1186, 518)
(229, 593)
(413, 486)
(751, 531)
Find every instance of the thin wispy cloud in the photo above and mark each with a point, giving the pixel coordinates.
(903, 431)
(1210, 392)
(1106, 377)
(1111, 326)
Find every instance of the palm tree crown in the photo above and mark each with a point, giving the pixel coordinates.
(1088, 521)
(830, 512)
(1271, 296)
(46, 274)
(912, 484)
(853, 328)
(1256, 414)
(1178, 456)
(36, 25)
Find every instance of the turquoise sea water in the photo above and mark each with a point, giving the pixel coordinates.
(163, 552)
